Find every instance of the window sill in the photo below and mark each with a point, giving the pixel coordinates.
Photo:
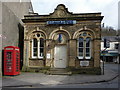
(88, 58)
(84, 59)
(36, 58)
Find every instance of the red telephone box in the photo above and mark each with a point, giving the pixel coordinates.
(11, 60)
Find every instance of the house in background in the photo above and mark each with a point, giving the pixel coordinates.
(111, 54)
(11, 26)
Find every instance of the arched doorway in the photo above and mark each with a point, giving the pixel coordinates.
(60, 51)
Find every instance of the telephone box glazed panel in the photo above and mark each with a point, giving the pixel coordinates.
(11, 60)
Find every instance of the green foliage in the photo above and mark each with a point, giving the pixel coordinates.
(108, 31)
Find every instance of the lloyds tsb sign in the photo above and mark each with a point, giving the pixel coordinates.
(62, 22)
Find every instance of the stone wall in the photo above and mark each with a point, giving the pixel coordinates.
(72, 49)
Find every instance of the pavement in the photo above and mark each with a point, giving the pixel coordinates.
(27, 79)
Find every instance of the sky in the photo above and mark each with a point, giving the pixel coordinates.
(108, 8)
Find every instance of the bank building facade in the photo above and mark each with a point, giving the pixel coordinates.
(62, 40)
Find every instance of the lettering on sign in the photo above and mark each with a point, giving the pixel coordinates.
(62, 22)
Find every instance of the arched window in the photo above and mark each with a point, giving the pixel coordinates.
(84, 46)
(38, 46)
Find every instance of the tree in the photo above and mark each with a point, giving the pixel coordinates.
(108, 31)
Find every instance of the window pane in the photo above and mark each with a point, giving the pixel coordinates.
(35, 52)
(41, 48)
(59, 38)
(88, 47)
(41, 42)
(87, 51)
(87, 54)
(81, 42)
(41, 52)
(80, 54)
(38, 35)
(80, 51)
(84, 34)
(88, 42)
(80, 47)
(35, 44)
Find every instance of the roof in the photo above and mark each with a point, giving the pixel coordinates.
(62, 13)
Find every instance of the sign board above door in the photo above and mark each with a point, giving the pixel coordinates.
(61, 22)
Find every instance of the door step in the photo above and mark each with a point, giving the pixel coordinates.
(57, 71)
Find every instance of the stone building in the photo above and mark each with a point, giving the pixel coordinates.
(62, 39)
(11, 26)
